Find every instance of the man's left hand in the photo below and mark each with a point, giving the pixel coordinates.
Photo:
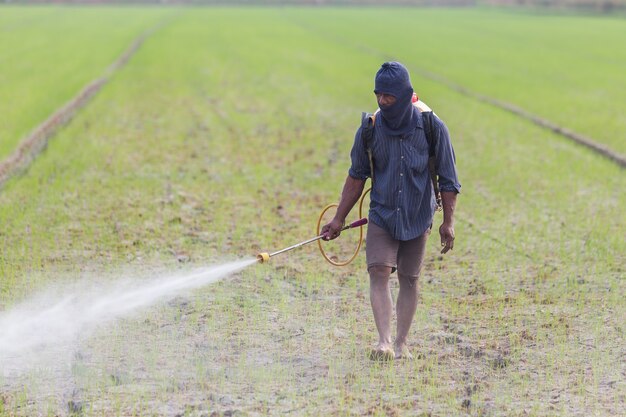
(446, 231)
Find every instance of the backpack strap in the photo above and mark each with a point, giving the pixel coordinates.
(431, 138)
(368, 120)
(367, 136)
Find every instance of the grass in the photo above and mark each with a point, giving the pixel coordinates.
(566, 69)
(225, 136)
(43, 67)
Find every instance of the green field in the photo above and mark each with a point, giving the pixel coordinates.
(48, 55)
(227, 133)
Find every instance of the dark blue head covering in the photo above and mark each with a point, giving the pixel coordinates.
(400, 118)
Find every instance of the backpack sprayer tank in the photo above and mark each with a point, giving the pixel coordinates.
(421, 106)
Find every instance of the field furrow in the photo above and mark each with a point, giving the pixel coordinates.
(227, 133)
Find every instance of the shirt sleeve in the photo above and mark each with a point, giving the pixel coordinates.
(360, 168)
(445, 159)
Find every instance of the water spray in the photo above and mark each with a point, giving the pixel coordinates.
(265, 256)
(32, 333)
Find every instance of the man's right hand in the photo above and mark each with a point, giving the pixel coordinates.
(332, 230)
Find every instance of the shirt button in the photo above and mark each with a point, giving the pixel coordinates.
(398, 208)
(400, 191)
(400, 174)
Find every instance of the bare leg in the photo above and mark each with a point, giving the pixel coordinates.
(382, 304)
(410, 259)
(405, 310)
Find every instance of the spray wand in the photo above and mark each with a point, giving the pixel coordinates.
(264, 256)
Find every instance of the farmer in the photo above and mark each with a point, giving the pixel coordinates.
(402, 203)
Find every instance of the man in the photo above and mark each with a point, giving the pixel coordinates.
(402, 202)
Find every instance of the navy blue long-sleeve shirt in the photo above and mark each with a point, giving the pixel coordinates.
(402, 199)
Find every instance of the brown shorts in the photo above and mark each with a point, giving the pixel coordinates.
(383, 250)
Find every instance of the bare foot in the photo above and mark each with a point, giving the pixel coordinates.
(382, 353)
(402, 352)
